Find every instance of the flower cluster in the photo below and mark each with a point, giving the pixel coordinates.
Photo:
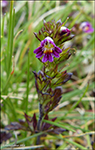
(48, 82)
(50, 36)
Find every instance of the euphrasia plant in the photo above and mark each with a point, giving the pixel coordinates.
(50, 79)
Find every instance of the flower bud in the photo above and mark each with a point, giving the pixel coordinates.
(64, 30)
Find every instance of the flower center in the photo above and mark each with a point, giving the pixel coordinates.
(48, 48)
(86, 28)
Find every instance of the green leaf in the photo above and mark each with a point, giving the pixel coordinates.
(59, 125)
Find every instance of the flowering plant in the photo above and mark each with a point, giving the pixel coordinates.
(51, 53)
(50, 79)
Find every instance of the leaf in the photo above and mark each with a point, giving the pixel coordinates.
(54, 100)
(29, 125)
(58, 130)
(4, 136)
(23, 140)
(13, 126)
(45, 126)
(63, 78)
(28, 119)
(64, 56)
(34, 121)
(59, 125)
(75, 144)
(58, 92)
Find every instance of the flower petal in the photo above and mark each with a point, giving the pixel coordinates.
(90, 30)
(55, 54)
(44, 59)
(85, 24)
(47, 57)
(64, 30)
(50, 57)
(57, 49)
(37, 50)
(40, 54)
(47, 40)
(4, 3)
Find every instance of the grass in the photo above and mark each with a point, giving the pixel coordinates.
(18, 94)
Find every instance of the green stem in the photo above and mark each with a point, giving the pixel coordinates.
(27, 92)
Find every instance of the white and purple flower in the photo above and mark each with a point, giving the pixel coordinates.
(47, 49)
(4, 3)
(64, 30)
(86, 27)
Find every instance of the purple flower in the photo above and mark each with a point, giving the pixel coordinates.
(86, 27)
(47, 49)
(64, 30)
(4, 3)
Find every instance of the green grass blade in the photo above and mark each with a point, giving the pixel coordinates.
(10, 38)
(59, 125)
(27, 91)
(22, 140)
(75, 144)
(76, 104)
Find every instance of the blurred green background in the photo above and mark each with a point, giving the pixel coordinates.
(19, 19)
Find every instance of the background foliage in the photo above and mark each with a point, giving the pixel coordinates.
(18, 93)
